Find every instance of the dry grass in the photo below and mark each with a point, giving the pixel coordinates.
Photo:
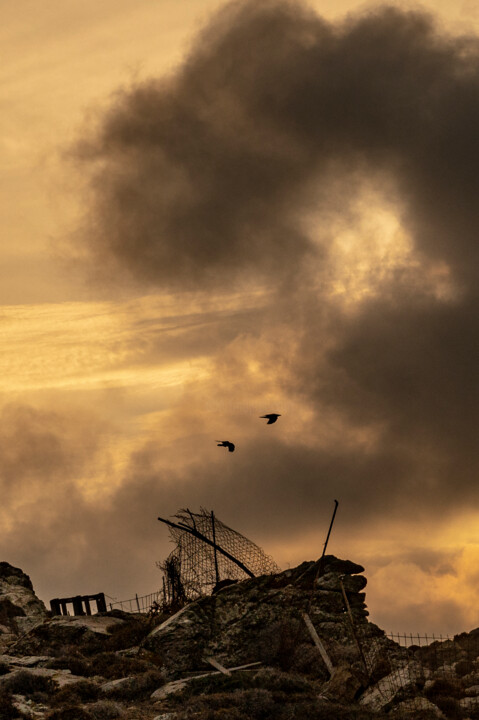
(28, 684)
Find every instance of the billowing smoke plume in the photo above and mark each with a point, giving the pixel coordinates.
(247, 168)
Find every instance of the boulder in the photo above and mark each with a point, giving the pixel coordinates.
(343, 686)
(87, 632)
(20, 608)
(262, 617)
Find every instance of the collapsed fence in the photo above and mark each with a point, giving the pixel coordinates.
(138, 604)
(418, 672)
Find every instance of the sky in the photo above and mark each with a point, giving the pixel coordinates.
(213, 211)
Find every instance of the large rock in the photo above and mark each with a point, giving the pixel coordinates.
(88, 632)
(20, 608)
(245, 621)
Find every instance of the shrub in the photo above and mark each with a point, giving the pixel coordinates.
(105, 710)
(71, 712)
(74, 693)
(265, 679)
(256, 704)
(27, 683)
(139, 687)
(442, 687)
(128, 634)
(112, 666)
(76, 664)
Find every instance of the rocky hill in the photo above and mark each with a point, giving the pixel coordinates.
(297, 644)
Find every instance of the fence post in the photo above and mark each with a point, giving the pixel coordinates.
(318, 643)
(137, 603)
(353, 629)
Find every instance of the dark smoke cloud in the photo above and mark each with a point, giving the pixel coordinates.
(200, 179)
(206, 180)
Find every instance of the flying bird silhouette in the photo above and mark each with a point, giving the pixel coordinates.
(272, 417)
(226, 443)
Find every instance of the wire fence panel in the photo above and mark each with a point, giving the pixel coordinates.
(413, 672)
(138, 604)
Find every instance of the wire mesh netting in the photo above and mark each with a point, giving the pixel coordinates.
(207, 552)
(423, 672)
(137, 604)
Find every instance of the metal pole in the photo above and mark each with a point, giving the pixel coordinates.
(214, 547)
(353, 629)
(321, 562)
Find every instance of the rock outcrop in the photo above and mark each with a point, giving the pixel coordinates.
(293, 644)
(262, 619)
(20, 608)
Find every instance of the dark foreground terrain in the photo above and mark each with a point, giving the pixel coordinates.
(184, 665)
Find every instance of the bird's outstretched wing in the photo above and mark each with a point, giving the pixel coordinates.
(227, 444)
(271, 417)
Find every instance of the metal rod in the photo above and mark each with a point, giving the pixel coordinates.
(321, 561)
(353, 629)
(206, 540)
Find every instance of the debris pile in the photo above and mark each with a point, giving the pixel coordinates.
(207, 553)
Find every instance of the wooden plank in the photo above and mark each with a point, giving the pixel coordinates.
(318, 643)
(217, 665)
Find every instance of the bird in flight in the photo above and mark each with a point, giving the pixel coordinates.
(226, 443)
(272, 417)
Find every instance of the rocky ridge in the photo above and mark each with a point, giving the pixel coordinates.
(244, 653)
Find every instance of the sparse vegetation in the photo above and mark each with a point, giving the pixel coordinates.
(75, 663)
(110, 665)
(105, 710)
(134, 629)
(26, 683)
(292, 683)
(138, 687)
(79, 692)
(71, 712)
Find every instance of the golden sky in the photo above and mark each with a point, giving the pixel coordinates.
(206, 217)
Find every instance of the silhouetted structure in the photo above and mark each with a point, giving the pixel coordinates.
(81, 604)
(208, 552)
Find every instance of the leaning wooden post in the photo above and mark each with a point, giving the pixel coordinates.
(318, 643)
